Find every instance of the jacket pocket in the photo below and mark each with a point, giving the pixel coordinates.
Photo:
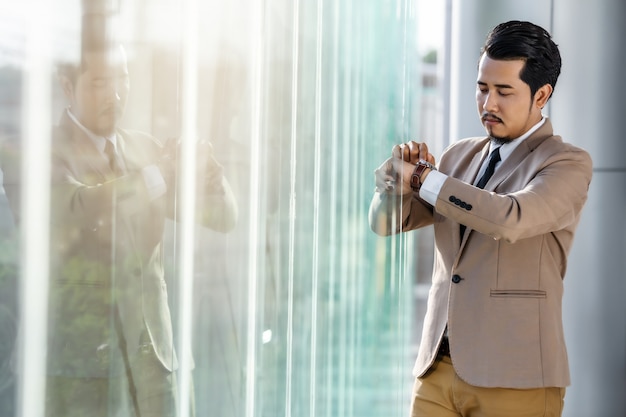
(518, 293)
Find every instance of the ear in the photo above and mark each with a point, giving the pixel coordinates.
(67, 86)
(543, 95)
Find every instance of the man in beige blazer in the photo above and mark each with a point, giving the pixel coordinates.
(110, 344)
(504, 208)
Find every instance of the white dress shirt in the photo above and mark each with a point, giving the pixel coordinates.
(434, 180)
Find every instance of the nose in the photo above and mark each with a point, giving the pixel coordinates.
(115, 90)
(490, 103)
(112, 92)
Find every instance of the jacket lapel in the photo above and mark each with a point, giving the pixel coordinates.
(132, 157)
(519, 154)
(472, 170)
(85, 151)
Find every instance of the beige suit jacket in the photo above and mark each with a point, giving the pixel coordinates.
(499, 290)
(107, 252)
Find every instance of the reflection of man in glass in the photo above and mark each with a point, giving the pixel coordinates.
(110, 348)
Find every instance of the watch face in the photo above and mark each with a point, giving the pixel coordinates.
(426, 163)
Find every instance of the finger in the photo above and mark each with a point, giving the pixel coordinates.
(401, 151)
(423, 151)
(406, 151)
(414, 151)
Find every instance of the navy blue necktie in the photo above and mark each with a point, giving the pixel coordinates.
(494, 158)
(109, 150)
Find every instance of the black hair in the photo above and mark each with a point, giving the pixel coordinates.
(531, 43)
(95, 38)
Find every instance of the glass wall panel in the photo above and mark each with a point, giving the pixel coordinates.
(219, 261)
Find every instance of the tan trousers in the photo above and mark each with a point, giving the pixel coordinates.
(441, 393)
(154, 393)
(80, 397)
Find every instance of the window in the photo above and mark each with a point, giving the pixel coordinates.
(281, 299)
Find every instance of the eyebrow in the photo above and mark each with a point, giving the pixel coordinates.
(496, 85)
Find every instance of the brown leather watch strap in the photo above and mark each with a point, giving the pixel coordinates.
(421, 166)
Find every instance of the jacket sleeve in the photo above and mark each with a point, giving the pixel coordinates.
(90, 205)
(215, 204)
(390, 214)
(86, 194)
(548, 196)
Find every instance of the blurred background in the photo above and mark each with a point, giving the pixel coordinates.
(301, 310)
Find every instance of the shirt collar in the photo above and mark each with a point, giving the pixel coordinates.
(508, 148)
(98, 141)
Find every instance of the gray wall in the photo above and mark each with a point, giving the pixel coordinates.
(587, 110)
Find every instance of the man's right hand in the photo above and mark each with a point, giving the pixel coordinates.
(394, 175)
(412, 152)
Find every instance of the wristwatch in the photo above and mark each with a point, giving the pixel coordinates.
(421, 166)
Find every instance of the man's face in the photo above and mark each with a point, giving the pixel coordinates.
(98, 98)
(505, 105)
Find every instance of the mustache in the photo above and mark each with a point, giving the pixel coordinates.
(489, 116)
(111, 110)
